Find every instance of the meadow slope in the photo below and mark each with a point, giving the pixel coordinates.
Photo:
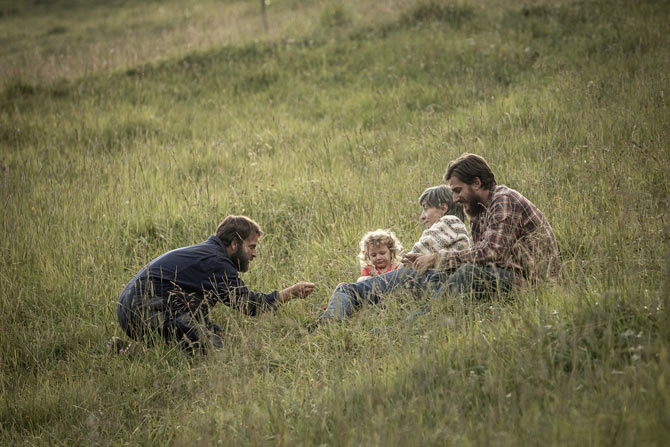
(326, 126)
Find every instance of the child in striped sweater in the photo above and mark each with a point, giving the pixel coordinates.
(445, 229)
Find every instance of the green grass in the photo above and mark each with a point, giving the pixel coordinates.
(328, 126)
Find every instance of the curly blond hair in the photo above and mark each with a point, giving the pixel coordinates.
(377, 237)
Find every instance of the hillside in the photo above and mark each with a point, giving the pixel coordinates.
(330, 124)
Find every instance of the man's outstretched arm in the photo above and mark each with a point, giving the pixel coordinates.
(298, 290)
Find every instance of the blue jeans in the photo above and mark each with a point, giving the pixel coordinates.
(347, 297)
(480, 282)
(483, 282)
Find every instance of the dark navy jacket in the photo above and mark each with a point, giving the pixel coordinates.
(192, 279)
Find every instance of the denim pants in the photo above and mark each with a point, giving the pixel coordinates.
(481, 281)
(348, 297)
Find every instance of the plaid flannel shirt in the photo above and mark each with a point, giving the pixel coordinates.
(512, 234)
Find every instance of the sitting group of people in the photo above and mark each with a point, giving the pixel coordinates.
(510, 243)
(381, 254)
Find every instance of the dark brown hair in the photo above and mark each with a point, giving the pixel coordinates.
(237, 228)
(467, 167)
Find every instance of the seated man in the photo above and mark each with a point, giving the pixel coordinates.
(513, 244)
(445, 231)
(173, 294)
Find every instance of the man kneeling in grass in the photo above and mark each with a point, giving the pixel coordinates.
(513, 244)
(172, 296)
(445, 230)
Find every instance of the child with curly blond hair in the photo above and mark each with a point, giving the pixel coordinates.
(380, 253)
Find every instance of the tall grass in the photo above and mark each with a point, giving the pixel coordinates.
(321, 134)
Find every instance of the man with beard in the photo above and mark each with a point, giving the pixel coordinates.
(172, 296)
(513, 243)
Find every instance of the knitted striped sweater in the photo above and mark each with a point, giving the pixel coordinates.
(448, 233)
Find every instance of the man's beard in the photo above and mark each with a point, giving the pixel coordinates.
(241, 259)
(473, 207)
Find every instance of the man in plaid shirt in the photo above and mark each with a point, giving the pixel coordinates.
(513, 242)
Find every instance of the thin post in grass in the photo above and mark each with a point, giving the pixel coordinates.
(265, 16)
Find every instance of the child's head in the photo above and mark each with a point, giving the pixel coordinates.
(441, 197)
(379, 248)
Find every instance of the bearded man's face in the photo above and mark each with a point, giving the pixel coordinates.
(245, 253)
(466, 196)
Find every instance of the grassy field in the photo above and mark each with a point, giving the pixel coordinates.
(130, 128)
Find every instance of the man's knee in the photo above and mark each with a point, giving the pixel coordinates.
(192, 333)
(131, 323)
